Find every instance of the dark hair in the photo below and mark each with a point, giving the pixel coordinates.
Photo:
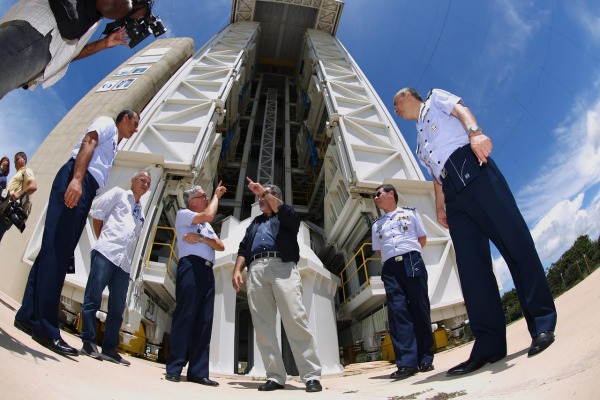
(7, 165)
(388, 188)
(128, 112)
(408, 90)
(274, 190)
(22, 154)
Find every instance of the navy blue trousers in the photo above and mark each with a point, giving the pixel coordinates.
(62, 231)
(486, 210)
(192, 319)
(408, 313)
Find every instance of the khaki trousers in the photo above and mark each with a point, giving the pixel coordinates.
(274, 284)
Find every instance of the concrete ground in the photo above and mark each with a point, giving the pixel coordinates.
(570, 368)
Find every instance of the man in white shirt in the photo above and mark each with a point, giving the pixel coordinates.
(41, 37)
(71, 196)
(195, 287)
(117, 219)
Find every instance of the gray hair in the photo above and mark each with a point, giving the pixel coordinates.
(141, 172)
(408, 90)
(189, 194)
(274, 189)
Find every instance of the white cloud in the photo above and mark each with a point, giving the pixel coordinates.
(557, 230)
(574, 167)
(589, 20)
(518, 23)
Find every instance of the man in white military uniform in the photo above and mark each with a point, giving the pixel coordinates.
(398, 236)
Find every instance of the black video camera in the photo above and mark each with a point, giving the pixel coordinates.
(11, 212)
(138, 29)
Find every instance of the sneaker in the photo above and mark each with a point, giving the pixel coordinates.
(115, 357)
(89, 349)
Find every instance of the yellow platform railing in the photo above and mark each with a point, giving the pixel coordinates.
(360, 268)
(170, 245)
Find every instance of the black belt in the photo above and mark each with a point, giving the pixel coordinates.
(265, 254)
(203, 261)
(399, 257)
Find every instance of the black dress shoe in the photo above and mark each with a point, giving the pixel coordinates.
(473, 364)
(57, 345)
(270, 386)
(426, 367)
(202, 381)
(313, 386)
(403, 373)
(172, 377)
(540, 343)
(23, 326)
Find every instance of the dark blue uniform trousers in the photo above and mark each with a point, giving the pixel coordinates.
(62, 231)
(192, 319)
(408, 313)
(486, 210)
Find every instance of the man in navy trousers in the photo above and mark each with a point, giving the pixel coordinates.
(474, 201)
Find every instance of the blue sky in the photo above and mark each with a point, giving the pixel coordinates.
(529, 70)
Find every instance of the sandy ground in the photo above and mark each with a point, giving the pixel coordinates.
(570, 368)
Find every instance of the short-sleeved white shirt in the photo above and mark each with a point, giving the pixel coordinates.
(438, 132)
(183, 225)
(105, 151)
(397, 232)
(123, 219)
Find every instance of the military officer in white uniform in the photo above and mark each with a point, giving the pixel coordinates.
(474, 201)
(398, 236)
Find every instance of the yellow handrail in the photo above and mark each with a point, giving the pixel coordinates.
(363, 266)
(170, 245)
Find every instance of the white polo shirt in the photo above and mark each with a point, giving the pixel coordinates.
(123, 219)
(183, 225)
(105, 151)
(397, 232)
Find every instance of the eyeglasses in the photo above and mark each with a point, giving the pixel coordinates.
(379, 193)
(203, 195)
(144, 181)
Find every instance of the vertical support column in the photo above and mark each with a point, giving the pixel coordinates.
(287, 179)
(237, 211)
(266, 158)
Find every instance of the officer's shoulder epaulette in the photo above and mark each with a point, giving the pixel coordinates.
(408, 208)
(380, 217)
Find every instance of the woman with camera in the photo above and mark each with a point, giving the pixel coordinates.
(4, 171)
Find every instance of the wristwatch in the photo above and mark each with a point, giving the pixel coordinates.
(474, 129)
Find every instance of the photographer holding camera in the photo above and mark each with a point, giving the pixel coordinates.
(41, 37)
(15, 204)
